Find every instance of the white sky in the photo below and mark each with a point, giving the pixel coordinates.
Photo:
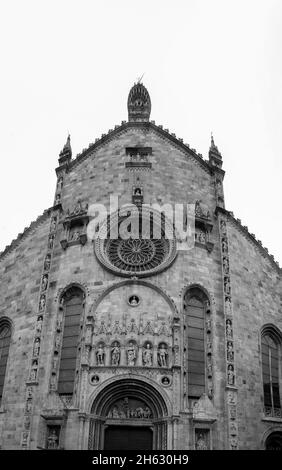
(210, 65)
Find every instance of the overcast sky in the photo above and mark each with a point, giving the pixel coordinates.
(210, 65)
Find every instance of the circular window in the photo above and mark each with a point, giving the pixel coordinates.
(141, 255)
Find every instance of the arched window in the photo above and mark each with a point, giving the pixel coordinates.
(5, 339)
(194, 308)
(73, 308)
(270, 349)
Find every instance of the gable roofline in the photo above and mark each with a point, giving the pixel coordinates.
(123, 127)
(27, 231)
(243, 229)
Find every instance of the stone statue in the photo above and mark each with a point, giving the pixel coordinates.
(47, 262)
(115, 355)
(36, 347)
(57, 342)
(44, 282)
(100, 354)
(223, 226)
(162, 356)
(228, 307)
(42, 302)
(75, 235)
(147, 356)
(33, 372)
(58, 199)
(39, 324)
(201, 443)
(225, 263)
(230, 375)
(131, 354)
(51, 242)
(227, 286)
(229, 332)
(230, 352)
(224, 246)
(53, 224)
(52, 441)
(133, 300)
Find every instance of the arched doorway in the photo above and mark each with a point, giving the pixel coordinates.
(128, 414)
(274, 441)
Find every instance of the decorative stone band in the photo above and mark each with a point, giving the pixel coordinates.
(32, 380)
(231, 390)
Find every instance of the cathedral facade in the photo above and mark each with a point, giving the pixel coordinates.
(117, 337)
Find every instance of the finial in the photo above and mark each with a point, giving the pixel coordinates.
(212, 141)
(140, 78)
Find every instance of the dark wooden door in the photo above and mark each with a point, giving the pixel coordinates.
(128, 438)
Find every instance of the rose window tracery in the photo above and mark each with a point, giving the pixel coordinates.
(136, 256)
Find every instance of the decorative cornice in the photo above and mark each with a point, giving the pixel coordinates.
(124, 126)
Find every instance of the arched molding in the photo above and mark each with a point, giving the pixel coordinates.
(132, 384)
(196, 285)
(62, 291)
(273, 331)
(6, 321)
(134, 282)
(272, 429)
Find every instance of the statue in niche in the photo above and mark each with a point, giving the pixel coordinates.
(224, 246)
(223, 226)
(57, 341)
(53, 224)
(147, 356)
(201, 443)
(75, 235)
(39, 324)
(230, 352)
(115, 354)
(47, 262)
(137, 192)
(36, 347)
(25, 436)
(29, 393)
(57, 199)
(234, 442)
(42, 302)
(28, 406)
(230, 375)
(162, 356)
(55, 361)
(227, 286)
(33, 372)
(209, 369)
(131, 354)
(133, 300)
(225, 263)
(53, 381)
(100, 354)
(228, 307)
(44, 282)
(51, 242)
(52, 440)
(210, 390)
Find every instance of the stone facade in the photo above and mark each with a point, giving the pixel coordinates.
(239, 279)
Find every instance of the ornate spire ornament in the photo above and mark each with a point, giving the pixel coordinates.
(214, 154)
(66, 153)
(139, 103)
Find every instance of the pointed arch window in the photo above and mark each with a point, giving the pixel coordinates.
(5, 340)
(271, 350)
(194, 308)
(73, 309)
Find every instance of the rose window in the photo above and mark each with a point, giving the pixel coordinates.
(135, 256)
